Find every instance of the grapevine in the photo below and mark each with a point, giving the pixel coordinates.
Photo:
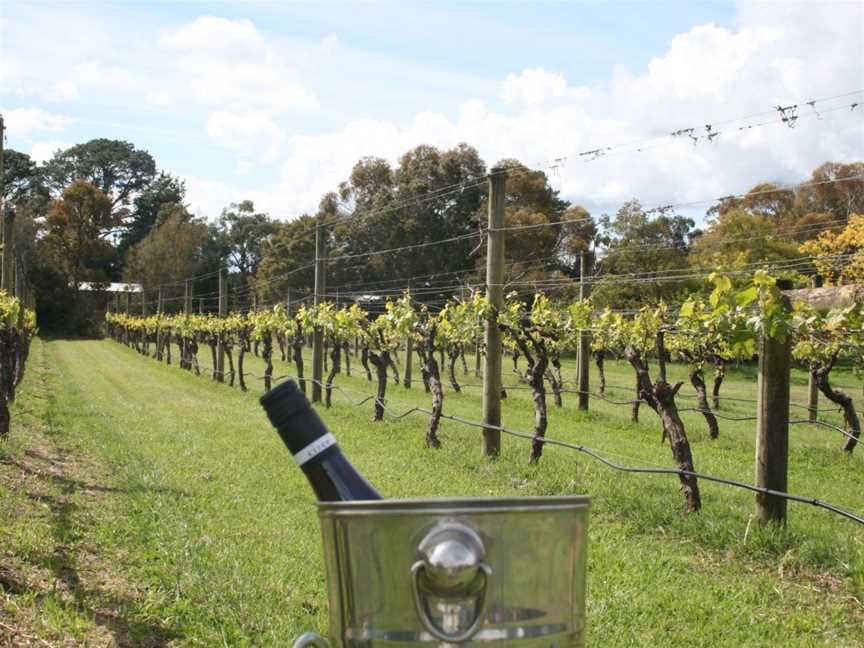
(17, 328)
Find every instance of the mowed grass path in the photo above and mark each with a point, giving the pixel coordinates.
(208, 517)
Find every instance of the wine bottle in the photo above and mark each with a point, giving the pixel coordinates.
(313, 447)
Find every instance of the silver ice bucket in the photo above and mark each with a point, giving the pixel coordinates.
(497, 571)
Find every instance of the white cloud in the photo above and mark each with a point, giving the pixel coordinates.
(228, 63)
(22, 121)
(43, 151)
(159, 99)
(707, 75)
(247, 132)
(534, 87)
(329, 44)
(208, 198)
(96, 74)
(63, 91)
(216, 35)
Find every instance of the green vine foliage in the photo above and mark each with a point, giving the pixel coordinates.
(726, 325)
(825, 337)
(17, 328)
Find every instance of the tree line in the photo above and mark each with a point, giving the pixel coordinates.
(103, 211)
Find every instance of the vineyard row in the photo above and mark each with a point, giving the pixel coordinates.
(704, 334)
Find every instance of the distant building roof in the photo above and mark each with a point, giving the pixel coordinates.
(95, 286)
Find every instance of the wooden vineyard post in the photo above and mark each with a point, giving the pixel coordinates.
(812, 398)
(318, 334)
(159, 328)
(495, 295)
(7, 219)
(772, 426)
(143, 303)
(288, 302)
(8, 252)
(185, 347)
(126, 302)
(223, 311)
(409, 354)
(583, 357)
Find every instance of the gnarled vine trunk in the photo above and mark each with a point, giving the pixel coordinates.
(432, 378)
(634, 407)
(14, 349)
(212, 345)
(536, 371)
(193, 356)
(346, 348)
(424, 371)
(599, 360)
(392, 364)
(432, 439)
(556, 381)
(660, 397)
(335, 361)
(838, 397)
(538, 362)
(364, 360)
(280, 340)
(241, 352)
(297, 345)
(230, 356)
(719, 375)
(698, 382)
(5, 418)
(453, 354)
(380, 362)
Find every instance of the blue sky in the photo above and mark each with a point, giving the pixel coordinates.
(274, 101)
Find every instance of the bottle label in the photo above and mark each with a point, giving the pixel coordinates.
(315, 448)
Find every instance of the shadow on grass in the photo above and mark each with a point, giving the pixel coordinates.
(64, 481)
(69, 557)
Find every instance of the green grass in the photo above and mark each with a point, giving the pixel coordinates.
(212, 526)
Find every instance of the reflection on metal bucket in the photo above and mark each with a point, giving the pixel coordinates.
(504, 570)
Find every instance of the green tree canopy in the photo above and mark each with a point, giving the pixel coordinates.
(246, 233)
(292, 247)
(641, 251)
(738, 238)
(165, 189)
(22, 181)
(177, 248)
(415, 203)
(75, 232)
(116, 168)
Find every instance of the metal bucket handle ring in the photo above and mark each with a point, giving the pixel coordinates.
(311, 639)
(423, 613)
(452, 560)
